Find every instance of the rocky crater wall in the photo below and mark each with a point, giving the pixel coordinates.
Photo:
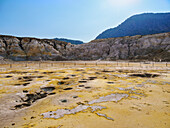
(149, 47)
(17, 48)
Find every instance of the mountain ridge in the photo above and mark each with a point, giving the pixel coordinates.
(139, 24)
(70, 41)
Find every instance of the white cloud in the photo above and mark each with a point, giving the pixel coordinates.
(119, 3)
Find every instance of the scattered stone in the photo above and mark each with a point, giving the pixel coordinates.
(40, 76)
(53, 93)
(120, 71)
(87, 87)
(75, 96)
(138, 109)
(25, 91)
(166, 102)
(73, 75)
(8, 76)
(107, 71)
(81, 85)
(63, 101)
(110, 82)
(79, 70)
(83, 81)
(92, 78)
(68, 89)
(147, 75)
(28, 77)
(36, 72)
(25, 84)
(46, 89)
(17, 84)
(61, 82)
(48, 72)
(32, 117)
(97, 73)
(80, 103)
(65, 78)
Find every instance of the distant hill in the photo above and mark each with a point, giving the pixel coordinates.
(142, 24)
(69, 41)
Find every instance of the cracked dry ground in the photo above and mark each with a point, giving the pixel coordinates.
(86, 97)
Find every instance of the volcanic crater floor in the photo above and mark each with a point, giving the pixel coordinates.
(84, 97)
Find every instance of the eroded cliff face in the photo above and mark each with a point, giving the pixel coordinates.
(150, 47)
(16, 48)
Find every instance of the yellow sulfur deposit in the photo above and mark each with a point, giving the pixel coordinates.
(84, 96)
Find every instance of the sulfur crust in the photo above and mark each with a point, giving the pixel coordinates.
(151, 109)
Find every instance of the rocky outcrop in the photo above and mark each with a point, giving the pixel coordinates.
(150, 47)
(17, 48)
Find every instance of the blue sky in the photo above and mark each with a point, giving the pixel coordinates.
(75, 19)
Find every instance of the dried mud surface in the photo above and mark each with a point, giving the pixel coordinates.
(85, 97)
